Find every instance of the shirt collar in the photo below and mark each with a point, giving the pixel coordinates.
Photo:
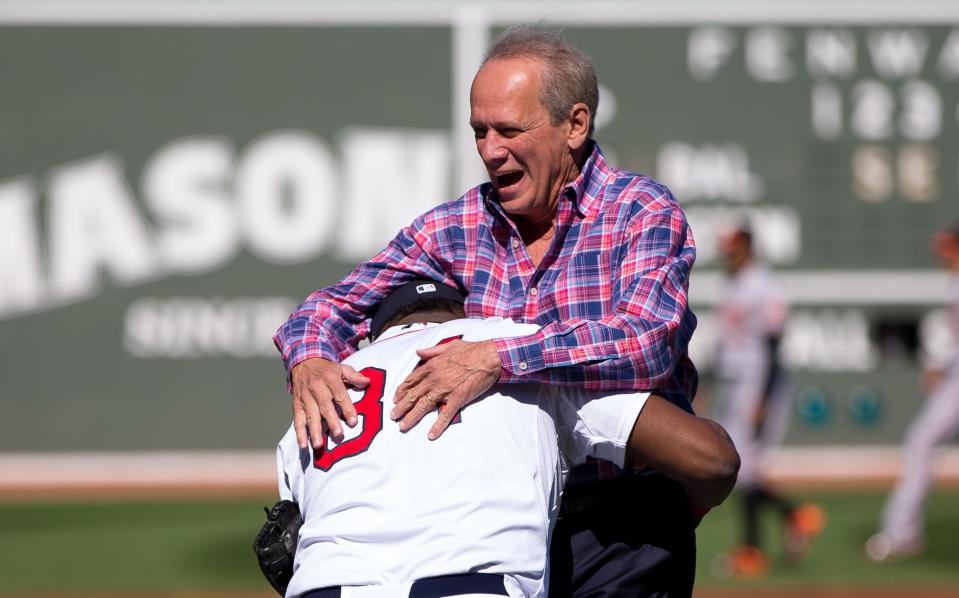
(403, 329)
(583, 192)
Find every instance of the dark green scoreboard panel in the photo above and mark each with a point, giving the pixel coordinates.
(169, 192)
(846, 134)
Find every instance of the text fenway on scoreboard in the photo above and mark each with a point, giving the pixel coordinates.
(174, 180)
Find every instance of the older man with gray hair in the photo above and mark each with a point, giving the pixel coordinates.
(597, 257)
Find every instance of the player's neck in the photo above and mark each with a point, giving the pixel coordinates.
(437, 316)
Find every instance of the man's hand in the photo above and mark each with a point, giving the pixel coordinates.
(320, 399)
(455, 373)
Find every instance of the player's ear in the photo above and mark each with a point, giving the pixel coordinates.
(579, 119)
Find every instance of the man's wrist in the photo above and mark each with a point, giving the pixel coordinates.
(519, 356)
(492, 362)
(306, 350)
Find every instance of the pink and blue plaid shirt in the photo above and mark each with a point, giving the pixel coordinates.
(610, 293)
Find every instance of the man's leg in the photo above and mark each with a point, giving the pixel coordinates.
(752, 502)
(903, 518)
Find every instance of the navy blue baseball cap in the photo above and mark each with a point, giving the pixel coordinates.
(412, 292)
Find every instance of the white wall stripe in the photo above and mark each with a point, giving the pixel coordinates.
(48, 471)
(842, 287)
(136, 469)
(228, 13)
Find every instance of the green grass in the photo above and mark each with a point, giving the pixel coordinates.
(837, 559)
(171, 545)
(178, 545)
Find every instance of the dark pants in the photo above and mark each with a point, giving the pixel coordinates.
(439, 587)
(626, 537)
(755, 498)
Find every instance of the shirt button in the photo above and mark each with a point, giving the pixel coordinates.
(523, 366)
(534, 291)
(515, 243)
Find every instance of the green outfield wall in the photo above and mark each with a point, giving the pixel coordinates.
(173, 182)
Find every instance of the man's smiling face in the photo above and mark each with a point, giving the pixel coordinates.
(527, 157)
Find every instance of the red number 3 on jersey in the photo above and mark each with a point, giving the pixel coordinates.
(370, 411)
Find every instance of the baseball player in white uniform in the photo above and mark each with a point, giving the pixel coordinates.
(754, 396)
(387, 515)
(902, 532)
(754, 392)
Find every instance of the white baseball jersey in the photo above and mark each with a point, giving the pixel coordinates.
(752, 307)
(384, 508)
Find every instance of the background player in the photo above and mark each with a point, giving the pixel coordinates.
(754, 398)
(902, 531)
(385, 508)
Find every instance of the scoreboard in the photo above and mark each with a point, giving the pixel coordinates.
(841, 141)
(173, 180)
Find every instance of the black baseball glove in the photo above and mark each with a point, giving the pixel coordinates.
(275, 545)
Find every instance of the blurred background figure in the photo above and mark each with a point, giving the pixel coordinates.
(902, 532)
(754, 399)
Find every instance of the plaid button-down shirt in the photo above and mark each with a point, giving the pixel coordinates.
(610, 293)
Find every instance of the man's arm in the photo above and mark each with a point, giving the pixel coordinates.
(327, 327)
(637, 346)
(646, 429)
(639, 343)
(694, 451)
(332, 320)
(773, 314)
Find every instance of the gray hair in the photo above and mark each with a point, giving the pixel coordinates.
(569, 76)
